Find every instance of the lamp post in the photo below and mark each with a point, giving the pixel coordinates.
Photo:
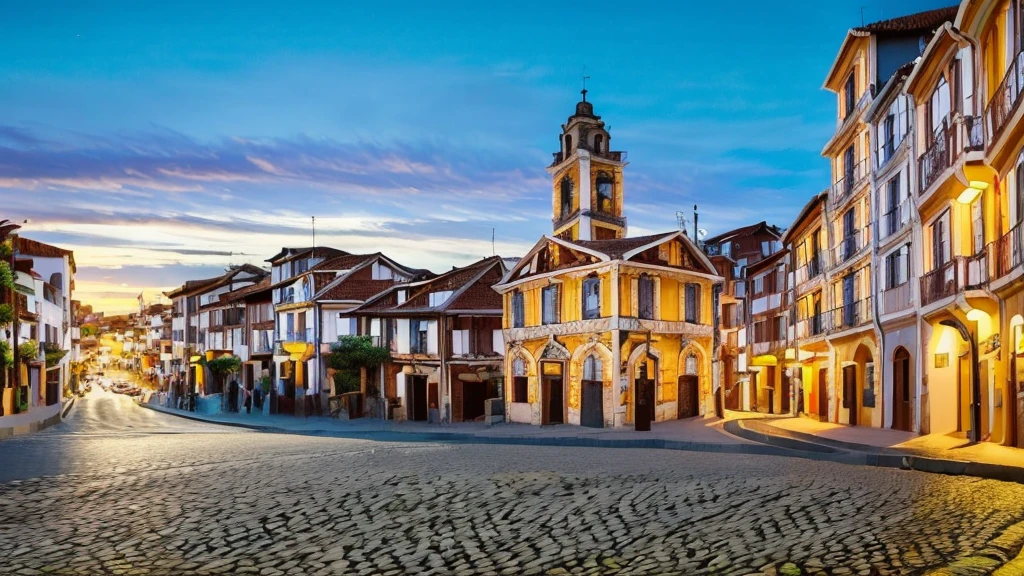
(975, 377)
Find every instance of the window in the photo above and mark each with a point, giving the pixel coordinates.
(848, 92)
(889, 146)
(939, 247)
(520, 382)
(690, 366)
(566, 191)
(568, 145)
(893, 216)
(549, 304)
(693, 310)
(780, 328)
(591, 298)
(938, 107)
(849, 234)
(897, 267)
(592, 369)
(758, 285)
(645, 297)
(598, 142)
(518, 312)
(848, 161)
(604, 192)
(439, 298)
(417, 336)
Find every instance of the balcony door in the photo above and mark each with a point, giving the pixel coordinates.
(849, 231)
(848, 171)
(849, 301)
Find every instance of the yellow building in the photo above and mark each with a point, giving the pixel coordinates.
(588, 310)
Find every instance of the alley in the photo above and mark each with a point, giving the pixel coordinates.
(118, 489)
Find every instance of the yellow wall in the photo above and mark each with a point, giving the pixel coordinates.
(572, 171)
(617, 197)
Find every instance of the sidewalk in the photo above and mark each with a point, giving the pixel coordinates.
(694, 434)
(948, 454)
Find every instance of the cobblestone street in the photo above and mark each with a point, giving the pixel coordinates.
(204, 500)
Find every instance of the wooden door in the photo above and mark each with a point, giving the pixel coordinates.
(643, 407)
(457, 400)
(555, 399)
(416, 392)
(473, 397)
(769, 385)
(850, 392)
(901, 418)
(592, 404)
(687, 395)
(823, 394)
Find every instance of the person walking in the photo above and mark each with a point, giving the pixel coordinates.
(233, 397)
(247, 397)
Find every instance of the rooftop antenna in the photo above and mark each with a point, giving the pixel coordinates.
(585, 78)
(492, 242)
(862, 15)
(313, 251)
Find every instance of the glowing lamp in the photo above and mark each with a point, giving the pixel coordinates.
(974, 188)
(1016, 321)
(976, 315)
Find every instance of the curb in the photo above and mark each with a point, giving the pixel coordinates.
(814, 448)
(462, 438)
(65, 410)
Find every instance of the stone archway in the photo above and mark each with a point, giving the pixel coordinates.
(603, 355)
(633, 365)
(705, 395)
(528, 411)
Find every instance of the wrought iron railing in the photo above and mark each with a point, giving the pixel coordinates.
(850, 315)
(939, 155)
(975, 129)
(1009, 251)
(811, 270)
(942, 282)
(853, 178)
(977, 267)
(1005, 98)
(812, 326)
(893, 220)
(850, 245)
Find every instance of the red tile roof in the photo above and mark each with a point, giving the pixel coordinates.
(454, 280)
(919, 22)
(30, 247)
(345, 262)
(352, 289)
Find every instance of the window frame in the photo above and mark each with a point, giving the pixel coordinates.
(518, 318)
(588, 283)
(552, 315)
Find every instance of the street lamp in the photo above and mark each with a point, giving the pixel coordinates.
(975, 378)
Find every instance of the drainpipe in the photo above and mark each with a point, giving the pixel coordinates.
(917, 259)
(875, 304)
(444, 382)
(318, 381)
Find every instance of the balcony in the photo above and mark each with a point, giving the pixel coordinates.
(843, 121)
(305, 335)
(811, 327)
(1008, 252)
(852, 181)
(851, 245)
(978, 269)
(895, 219)
(1005, 98)
(942, 282)
(811, 270)
(948, 143)
(850, 315)
(897, 299)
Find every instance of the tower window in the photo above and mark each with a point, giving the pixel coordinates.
(566, 189)
(598, 142)
(604, 193)
(568, 145)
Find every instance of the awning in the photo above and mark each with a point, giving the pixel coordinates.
(195, 359)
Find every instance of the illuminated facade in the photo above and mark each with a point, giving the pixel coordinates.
(587, 307)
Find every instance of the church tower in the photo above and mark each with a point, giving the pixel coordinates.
(587, 180)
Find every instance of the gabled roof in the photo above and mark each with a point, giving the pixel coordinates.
(28, 247)
(347, 287)
(287, 253)
(241, 293)
(193, 286)
(458, 280)
(920, 22)
(765, 263)
(743, 231)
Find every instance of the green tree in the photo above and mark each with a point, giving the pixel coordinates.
(351, 357)
(88, 330)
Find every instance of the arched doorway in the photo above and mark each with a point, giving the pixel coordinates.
(902, 418)
(592, 393)
(689, 387)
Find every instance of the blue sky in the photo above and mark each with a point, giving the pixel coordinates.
(164, 141)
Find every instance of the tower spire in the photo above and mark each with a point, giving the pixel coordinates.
(584, 91)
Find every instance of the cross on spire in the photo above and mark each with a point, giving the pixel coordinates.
(584, 91)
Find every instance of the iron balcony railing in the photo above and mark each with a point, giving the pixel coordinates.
(1009, 251)
(942, 282)
(975, 129)
(853, 178)
(850, 315)
(812, 326)
(1005, 98)
(299, 335)
(896, 299)
(811, 270)
(894, 220)
(938, 156)
(852, 113)
(850, 245)
(977, 267)
(886, 151)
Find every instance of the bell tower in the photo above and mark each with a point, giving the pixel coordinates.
(587, 199)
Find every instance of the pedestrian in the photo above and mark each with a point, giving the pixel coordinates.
(247, 395)
(233, 396)
(258, 398)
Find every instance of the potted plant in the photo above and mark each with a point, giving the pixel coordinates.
(28, 351)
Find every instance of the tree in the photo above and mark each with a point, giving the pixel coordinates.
(223, 366)
(88, 330)
(351, 357)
